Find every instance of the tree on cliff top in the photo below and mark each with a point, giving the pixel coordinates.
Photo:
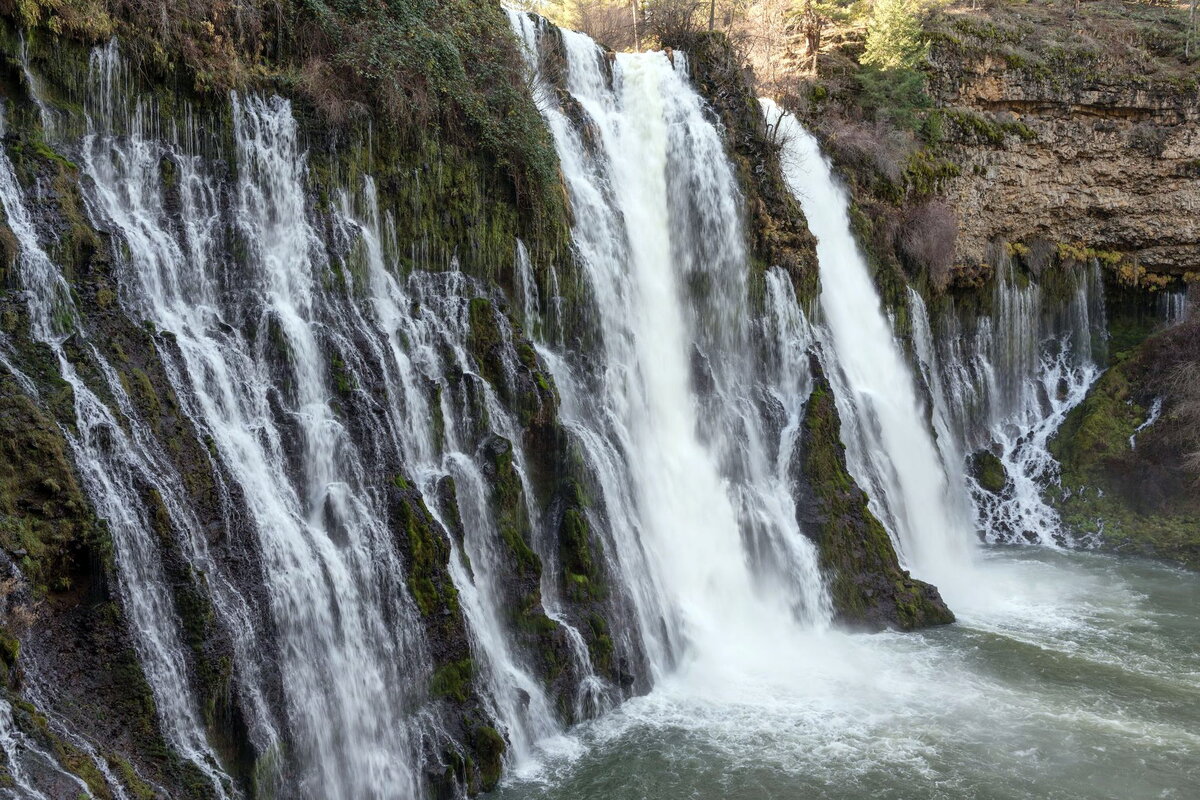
(894, 37)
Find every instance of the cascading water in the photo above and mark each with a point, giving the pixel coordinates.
(701, 524)
(21, 756)
(259, 391)
(418, 349)
(252, 334)
(890, 449)
(116, 455)
(1006, 383)
(252, 371)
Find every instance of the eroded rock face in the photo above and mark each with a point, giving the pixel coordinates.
(1111, 165)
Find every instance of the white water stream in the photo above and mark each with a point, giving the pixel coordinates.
(685, 416)
(702, 529)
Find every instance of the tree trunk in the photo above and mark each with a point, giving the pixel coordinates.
(1191, 35)
(637, 43)
(812, 34)
(712, 14)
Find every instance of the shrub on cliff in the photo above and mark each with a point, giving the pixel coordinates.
(928, 240)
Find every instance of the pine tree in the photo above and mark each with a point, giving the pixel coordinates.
(894, 38)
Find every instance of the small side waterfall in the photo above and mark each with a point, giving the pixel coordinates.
(1172, 306)
(22, 757)
(1005, 383)
(890, 448)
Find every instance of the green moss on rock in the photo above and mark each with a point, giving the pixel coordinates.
(988, 471)
(1097, 429)
(45, 521)
(867, 585)
(428, 553)
(512, 518)
(489, 747)
(453, 680)
(1130, 499)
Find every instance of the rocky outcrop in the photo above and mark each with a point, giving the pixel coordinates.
(867, 585)
(1111, 164)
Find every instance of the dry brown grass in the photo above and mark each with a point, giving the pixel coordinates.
(17, 611)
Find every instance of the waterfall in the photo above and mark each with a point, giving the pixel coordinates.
(46, 114)
(117, 456)
(890, 449)
(427, 347)
(251, 373)
(330, 378)
(701, 528)
(1006, 383)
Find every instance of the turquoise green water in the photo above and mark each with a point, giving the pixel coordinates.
(1069, 675)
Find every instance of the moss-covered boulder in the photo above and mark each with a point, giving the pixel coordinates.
(867, 585)
(988, 471)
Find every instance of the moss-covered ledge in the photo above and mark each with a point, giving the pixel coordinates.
(867, 585)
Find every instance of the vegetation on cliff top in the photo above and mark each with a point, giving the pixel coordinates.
(898, 138)
(417, 66)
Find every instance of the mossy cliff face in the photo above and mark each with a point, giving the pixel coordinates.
(868, 587)
(556, 480)
(61, 611)
(457, 203)
(1138, 496)
(467, 174)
